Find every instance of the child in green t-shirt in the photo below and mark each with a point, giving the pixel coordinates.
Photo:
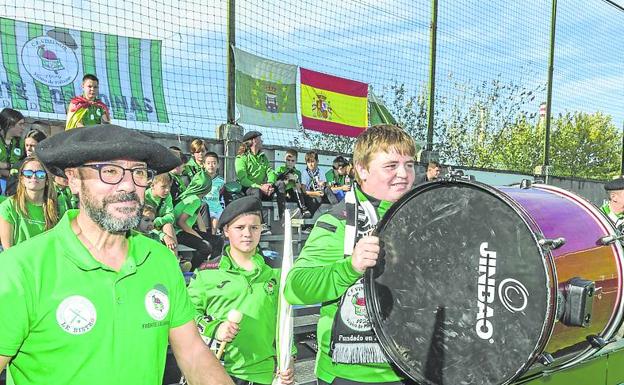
(291, 178)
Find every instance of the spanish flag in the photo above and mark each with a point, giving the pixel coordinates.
(333, 105)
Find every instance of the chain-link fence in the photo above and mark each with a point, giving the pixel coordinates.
(492, 59)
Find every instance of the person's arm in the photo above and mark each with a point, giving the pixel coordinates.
(165, 214)
(240, 164)
(186, 228)
(105, 117)
(6, 233)
(201, 225)
(321, 272)
(196, 361)
(4, 361)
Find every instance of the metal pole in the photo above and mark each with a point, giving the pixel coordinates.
(551, 60)
(432, 70)
(231, 42)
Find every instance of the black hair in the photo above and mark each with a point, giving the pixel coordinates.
(9, 118)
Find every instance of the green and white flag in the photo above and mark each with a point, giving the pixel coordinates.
(42, 68)
(265, 91)
(377, 111)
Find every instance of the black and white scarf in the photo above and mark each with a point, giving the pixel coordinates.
(353, 339)
(314, 179)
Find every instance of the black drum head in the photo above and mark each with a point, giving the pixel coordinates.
(463, 294)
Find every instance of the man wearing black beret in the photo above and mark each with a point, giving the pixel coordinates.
(255, 174)
(614, 207)
(91, 300)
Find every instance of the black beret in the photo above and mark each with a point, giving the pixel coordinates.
(238, 207)
(103, 142)
(615, 184)
(250, 135)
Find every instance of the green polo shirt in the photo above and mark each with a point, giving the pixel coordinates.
(66, 318)
(214, 292)
(190, 206)
(24, 226)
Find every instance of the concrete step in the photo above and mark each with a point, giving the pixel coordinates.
(304, 373)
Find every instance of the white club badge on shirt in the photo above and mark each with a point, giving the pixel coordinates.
(76, 315)
(157, 304)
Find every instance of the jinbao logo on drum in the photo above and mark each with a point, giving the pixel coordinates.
(512, 294)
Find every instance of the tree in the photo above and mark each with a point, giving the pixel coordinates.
(585, 145)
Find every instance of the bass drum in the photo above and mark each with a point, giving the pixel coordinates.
(468, 289)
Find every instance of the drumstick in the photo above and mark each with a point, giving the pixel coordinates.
(233, 316)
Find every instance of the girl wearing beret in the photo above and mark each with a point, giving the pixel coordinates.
(32, 209)
(240, 279)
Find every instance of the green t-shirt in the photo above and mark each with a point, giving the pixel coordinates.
(164, 206)
(66, 318)
(65, 200)
(13, 152)
(334, 179)
(322, 274)
(191, 168)
(214, 292)
(290, 182)
(189, 205)
(24, 226)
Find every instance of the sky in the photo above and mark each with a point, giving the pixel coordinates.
(380, 42)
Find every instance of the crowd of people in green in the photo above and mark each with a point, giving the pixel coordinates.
(90, 282)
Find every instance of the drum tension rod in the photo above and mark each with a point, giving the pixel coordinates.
(552, 243)
(609, 239)
(546, 359)
(597, 341)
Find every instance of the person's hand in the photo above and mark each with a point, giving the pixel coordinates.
(267, 189)
(170, 242)
(346, 188)
(365, 253)
(287, 376)
(227, 331)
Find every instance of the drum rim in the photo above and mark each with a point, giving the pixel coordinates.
(372, 302)
(617, 318)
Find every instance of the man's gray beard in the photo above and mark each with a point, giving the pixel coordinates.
(106, 221)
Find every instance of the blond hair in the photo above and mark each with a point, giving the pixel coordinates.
(163, 178)
(381, 138)
(49, 196)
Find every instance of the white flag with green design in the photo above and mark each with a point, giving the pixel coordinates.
(265, 91)
(42, 69)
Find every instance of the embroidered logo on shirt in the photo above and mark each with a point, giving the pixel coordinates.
(157, 304)
(220, 286)
(269, 287)
(76, 315)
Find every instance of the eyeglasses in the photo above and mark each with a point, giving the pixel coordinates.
(113, 174)
(39, 174)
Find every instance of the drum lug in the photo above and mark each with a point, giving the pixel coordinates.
(610, 239)
(552, 243)
(545, 359)
(597, 342)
